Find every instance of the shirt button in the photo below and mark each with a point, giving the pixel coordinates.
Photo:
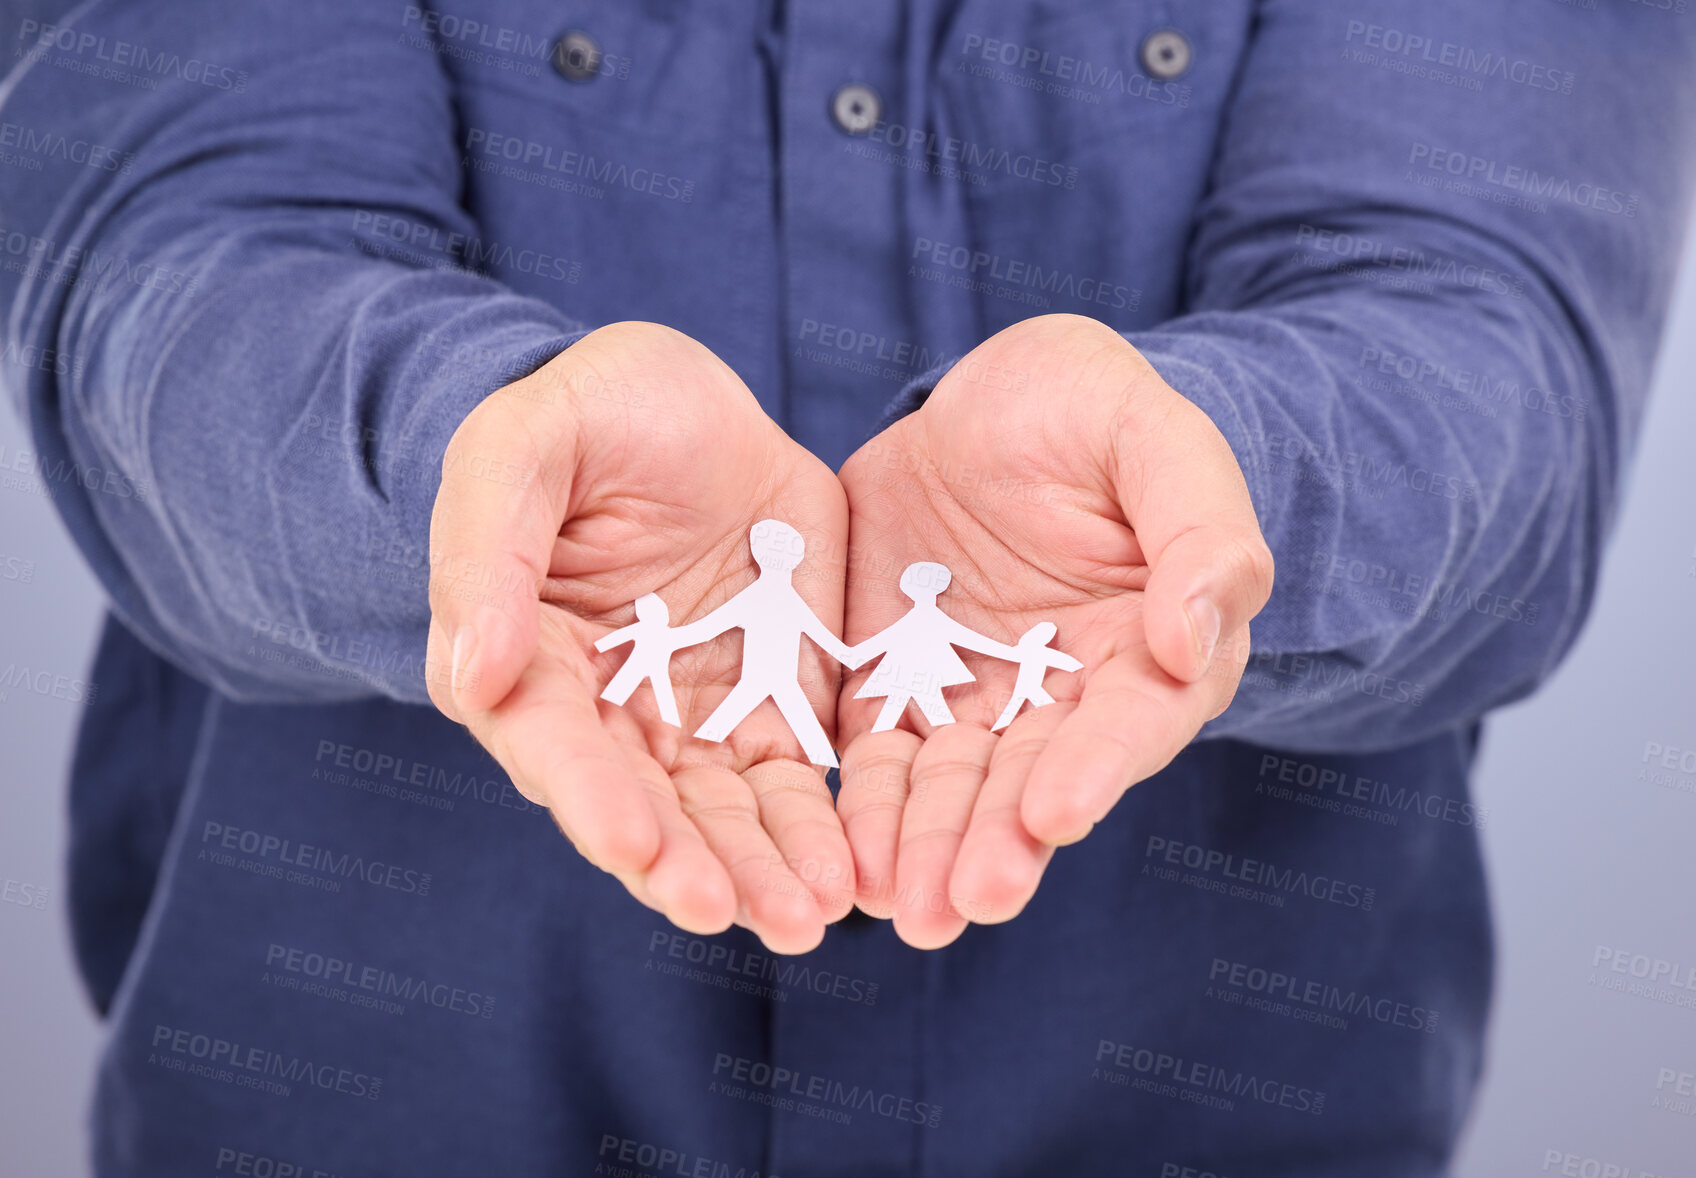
(576, 56)
(856, 108)
(1165, 54)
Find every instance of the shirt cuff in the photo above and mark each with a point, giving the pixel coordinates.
(413, 473)
(913, 395)
(1200, 385)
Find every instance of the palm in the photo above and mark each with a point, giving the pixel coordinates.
(693, 552)
(1039, 550)
(1028, 499)
(1043, 553)
(626, 506)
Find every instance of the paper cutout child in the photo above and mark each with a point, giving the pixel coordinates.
(650, 657)
(773, 617)
(918, 652)
(1034, 659)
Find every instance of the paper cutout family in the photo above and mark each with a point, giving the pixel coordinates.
(918, 658)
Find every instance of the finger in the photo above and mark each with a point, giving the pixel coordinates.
(550, 739)
(1225, 673)
(438, 671)
(999, 864)
(686, 882)
(1210, 570)
(771, 901)
(1132, 720)
(505, 480)
(947, 775)
(876, 769)
(798, 813)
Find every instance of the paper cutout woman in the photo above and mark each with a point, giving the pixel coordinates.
(918, 652)
(650, 657)
(1035, 658)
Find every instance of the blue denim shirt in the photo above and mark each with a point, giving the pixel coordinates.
(262, 258)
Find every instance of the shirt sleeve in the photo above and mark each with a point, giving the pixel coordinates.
(1424, 294)
(1423, 298)
(244, 386)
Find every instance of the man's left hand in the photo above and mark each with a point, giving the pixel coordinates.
(1060, 479)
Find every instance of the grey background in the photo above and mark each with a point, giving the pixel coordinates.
(1582, 851)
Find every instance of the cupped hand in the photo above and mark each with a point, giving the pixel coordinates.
(1061, 480)
(636, 462)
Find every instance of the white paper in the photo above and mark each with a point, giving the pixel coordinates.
(916, 652)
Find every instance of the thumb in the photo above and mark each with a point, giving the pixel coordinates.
(1210, 569)
(506, 477)
(1206, 584)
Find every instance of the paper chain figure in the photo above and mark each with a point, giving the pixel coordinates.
(918, 658)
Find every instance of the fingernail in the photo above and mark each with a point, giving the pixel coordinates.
(1079, 837)
(1204, 625)
(464, 646)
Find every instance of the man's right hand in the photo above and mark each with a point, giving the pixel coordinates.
(636, 462)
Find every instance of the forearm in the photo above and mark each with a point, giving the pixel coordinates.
(246, 354)
(1431, 394)
(1433, 561)
(284, 550)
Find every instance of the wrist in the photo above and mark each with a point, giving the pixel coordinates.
(459, 394)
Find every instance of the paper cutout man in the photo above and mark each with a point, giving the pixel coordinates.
(772, 617)
(918, 652)
(1034, 659)
(650, 657)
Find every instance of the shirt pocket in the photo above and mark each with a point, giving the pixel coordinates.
(1078, 174)
(633, 66)
(1063, 82)
(635, 181)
